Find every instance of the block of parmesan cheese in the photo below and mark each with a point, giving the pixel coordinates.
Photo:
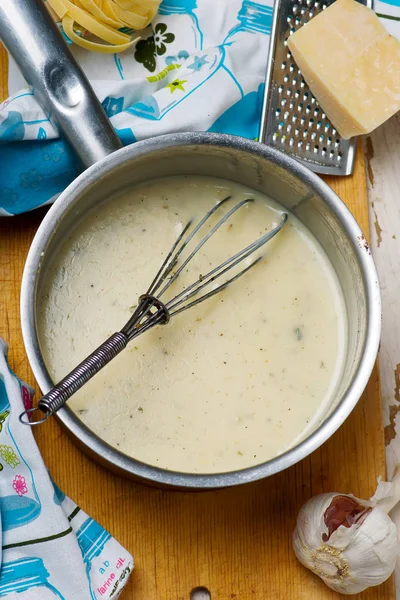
(352, 66)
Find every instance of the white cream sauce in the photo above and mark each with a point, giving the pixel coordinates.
(228, 384)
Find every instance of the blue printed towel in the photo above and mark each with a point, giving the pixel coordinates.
(51, 549)
(199, 67)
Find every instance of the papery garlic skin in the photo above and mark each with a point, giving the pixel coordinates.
(353, 558)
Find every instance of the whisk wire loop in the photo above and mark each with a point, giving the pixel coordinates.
(223, 268)
(205, 239)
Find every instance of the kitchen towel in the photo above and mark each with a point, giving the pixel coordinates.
(199, 67)
(50, 548)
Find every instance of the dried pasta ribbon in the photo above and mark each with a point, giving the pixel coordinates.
(103, 19)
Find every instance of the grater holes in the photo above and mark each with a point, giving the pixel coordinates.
(301, 125)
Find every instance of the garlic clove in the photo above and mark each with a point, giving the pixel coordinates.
(348, 542)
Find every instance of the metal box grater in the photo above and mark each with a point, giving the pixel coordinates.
(292, 120)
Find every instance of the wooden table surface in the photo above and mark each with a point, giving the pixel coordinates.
(237, 542)
(382, 153)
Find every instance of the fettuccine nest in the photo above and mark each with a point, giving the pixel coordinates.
(104, 19)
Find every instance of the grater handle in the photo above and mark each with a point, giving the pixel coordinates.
(59, 84)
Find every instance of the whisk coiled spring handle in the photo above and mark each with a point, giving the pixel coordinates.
(150, 307)
(58, 395)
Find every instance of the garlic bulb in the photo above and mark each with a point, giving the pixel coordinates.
(351, 544)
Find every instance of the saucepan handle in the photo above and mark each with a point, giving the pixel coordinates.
(59, 84)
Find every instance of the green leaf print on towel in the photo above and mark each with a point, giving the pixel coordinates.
(9, 456)
(147, 50)
(162, 74)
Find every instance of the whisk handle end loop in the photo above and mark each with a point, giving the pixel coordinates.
(59, 394)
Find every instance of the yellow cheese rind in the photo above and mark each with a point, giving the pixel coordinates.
(352, 66)
(103, 19)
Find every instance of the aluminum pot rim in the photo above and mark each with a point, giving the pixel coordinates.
(128, 466)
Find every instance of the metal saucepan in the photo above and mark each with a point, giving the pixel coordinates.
(45, 60)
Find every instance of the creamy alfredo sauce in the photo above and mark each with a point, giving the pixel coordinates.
(228, 384)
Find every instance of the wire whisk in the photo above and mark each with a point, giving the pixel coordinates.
(152, 310)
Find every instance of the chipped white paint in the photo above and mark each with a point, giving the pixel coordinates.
(383, 172)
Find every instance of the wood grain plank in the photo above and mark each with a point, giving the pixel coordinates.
(382, 151)
(235, 542)
(3, 73)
